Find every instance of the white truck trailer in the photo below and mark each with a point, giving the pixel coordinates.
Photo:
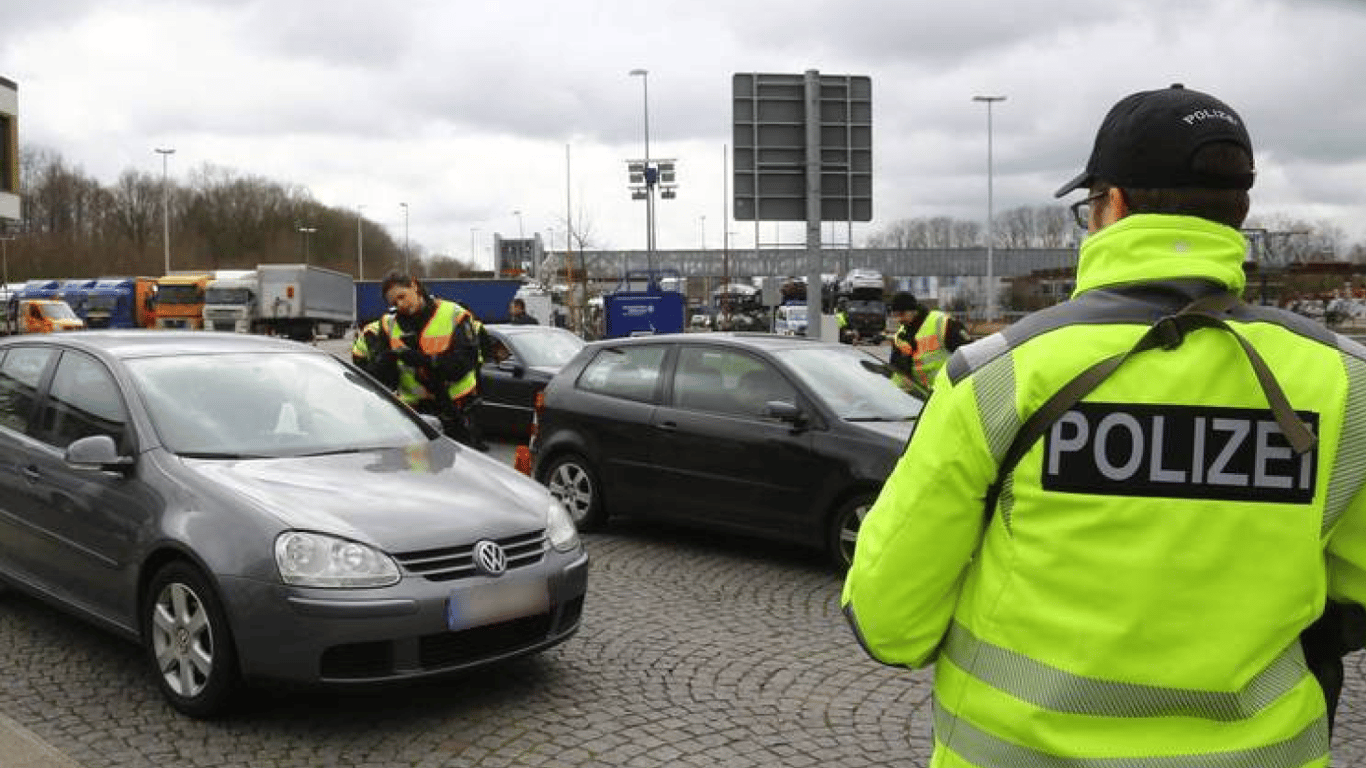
(299, 301)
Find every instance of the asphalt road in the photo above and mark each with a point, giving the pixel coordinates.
(695, 650)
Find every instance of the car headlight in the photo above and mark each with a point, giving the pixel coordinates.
(317, 560)
(559, 527)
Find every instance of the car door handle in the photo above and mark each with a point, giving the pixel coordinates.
(667, 426)
(31, 474)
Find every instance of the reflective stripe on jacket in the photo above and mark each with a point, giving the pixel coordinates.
(436, 337)
(1137, 594)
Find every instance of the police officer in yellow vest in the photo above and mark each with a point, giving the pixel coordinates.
(922, 344)
(435, 346)
(367, 348)
(1117, 516)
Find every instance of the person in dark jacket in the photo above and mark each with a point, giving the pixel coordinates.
(517, 314)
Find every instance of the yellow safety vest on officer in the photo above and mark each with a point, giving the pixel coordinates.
(1141, 585)
(1127, 584)
(361, 353)
(436, 337)
(918, 363)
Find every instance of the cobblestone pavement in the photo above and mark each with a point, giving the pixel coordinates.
(693, 652)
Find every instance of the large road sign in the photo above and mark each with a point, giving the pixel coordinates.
(773, 147)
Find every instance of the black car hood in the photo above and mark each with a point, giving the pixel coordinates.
(428, 494)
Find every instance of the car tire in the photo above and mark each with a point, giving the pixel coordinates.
(844, 528)
(188, 641)
(571, 480)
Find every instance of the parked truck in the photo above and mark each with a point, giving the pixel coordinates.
(232, 302)
(121, 302)
(302, 301)
(180, 299)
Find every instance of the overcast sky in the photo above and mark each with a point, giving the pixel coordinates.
(464, 109)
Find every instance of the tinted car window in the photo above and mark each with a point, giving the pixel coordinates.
(852, 382)
(267, 405)
(727, 381)
(550, 349)
(20, 373)
(630, 372)
(82, 401)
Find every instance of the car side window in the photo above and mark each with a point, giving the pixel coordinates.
(20, 372)
(727, 381)
(630, 372)
(83, 400)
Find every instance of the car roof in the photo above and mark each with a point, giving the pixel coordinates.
(758, 341)
(149, 343)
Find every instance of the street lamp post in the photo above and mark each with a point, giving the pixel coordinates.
(165, 153)
(474, 253)
(405, 238)
(306, 231)
(360, 245)
(991, 279)
(521, 241)
(649, 173)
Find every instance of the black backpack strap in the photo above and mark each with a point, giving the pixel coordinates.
(1168, 333)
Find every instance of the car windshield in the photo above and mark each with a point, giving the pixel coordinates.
(187, 293)
(852, 382)
(550, 347)
(228, 296)
(795, 313)
(268, 404)
(58, 311)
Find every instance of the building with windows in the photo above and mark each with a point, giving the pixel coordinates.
(9, 150)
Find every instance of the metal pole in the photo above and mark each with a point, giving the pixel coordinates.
(360, 245)
(406, 269)
(813, 203)
(521, 238)
(991, 278)
(165, 153)
(649, 175)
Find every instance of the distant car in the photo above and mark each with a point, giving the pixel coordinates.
(790, 320)
(252, 508)
(525, 358)
(758, 434)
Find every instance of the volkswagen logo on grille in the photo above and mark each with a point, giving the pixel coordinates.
(490, 558)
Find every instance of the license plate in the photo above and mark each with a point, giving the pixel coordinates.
(496, 601)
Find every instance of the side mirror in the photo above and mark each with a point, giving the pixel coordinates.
(434, 422)
(512, 366)
(785, 411)
(96, 453)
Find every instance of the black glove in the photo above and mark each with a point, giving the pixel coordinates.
(372, 342)
(412, 357)
(384, 357)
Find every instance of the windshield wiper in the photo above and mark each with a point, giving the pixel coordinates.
(338, 451)
(221, 455)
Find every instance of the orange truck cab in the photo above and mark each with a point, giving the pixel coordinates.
(180, 300)
(47, 316)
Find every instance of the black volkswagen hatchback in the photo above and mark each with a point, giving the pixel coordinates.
(755, 434)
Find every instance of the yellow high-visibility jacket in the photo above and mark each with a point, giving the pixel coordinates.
(1137, 592)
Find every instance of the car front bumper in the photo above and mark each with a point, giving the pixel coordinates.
(405, 631)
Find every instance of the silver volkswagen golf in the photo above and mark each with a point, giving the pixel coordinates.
(255, 509)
